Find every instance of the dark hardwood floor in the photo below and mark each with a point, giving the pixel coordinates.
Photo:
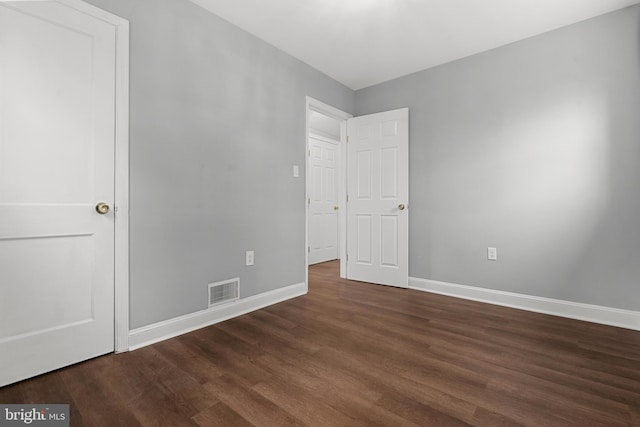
(351, 353)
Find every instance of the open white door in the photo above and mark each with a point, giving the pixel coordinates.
(323, 199)
(57, 131)
(378, 198)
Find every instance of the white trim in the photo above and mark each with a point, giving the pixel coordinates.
(121, 303)
(323, 138)
(342, 213)
(326, 109)
(121, 202)
(160, 331)
(591, 313)
(94, 11)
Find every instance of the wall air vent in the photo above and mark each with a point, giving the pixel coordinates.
(223, 292)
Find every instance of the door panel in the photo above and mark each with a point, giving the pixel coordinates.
(57, 116)
(389, 173)
(364, 173)
(323, 200)
(389, 240)
(378, 188)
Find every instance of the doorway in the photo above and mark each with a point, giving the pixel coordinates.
(322, 201)
(325, 143)
(372, 164)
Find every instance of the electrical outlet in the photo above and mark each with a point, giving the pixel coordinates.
(492, 254)
(249, 258)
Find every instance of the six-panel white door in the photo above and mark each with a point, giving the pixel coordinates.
(378, 198)
(323, 200)
(57, 98)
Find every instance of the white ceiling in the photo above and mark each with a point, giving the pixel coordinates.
(364, 42)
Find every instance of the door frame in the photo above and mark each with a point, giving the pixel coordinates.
(313, 104)
(121, 180)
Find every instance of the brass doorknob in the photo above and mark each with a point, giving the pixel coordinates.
(102, 208)
(335, 208)
(401, 206)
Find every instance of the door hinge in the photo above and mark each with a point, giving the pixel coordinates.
(308, 248)
(347, 139)
(347, 198)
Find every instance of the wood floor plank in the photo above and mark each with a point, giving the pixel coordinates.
(249, 404)
(417, 412)
(337, 389)
(383, 375)
(45, 389)
(228, 353)
(352, 353)
(220, 415)
(523, 372)
(485, 418)
(191, 360)
(91, 396)
(302, 404)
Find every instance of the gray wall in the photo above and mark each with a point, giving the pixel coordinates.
(217, 122)
(533, 148)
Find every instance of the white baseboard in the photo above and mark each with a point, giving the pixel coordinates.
(160, 331)
(591, 313)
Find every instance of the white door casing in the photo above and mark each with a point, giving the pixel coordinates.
(62, 77)
(323, 199)
(378, 198)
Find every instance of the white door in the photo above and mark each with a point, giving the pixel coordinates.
(378, 198)
(57, 101)
(323, 200)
